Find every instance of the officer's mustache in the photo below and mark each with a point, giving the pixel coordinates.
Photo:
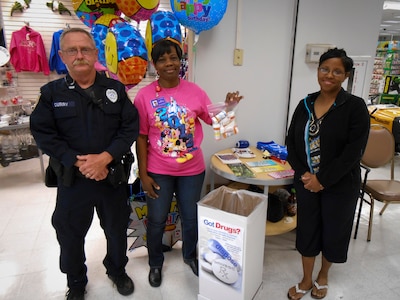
(80, 62)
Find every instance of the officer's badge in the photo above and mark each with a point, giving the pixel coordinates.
(112, 95)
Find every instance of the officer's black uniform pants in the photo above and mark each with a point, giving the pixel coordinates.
(72, 218)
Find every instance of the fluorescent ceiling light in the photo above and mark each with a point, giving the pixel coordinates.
(390, 5)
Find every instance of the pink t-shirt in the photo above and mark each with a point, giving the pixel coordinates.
(170, 119)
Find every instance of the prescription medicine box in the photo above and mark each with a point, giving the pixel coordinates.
(231, 244)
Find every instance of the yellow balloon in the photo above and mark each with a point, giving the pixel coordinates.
(148, 4)
(111, 54)
(149, 39)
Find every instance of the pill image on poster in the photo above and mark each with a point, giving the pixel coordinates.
(211, 256)
(216, 247)
(225, 271)
(206, 266)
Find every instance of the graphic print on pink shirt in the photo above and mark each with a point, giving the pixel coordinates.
(176, 125)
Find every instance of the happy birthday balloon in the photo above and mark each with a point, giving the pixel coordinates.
(138, 10)
(161, 25)
(99, 32)
(88, 11)
(126, 54)
(199, 15)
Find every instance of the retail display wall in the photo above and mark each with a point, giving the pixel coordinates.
(44, 20)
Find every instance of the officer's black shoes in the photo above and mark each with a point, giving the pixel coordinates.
(124, 284)
(155, 277)
(76, 294)
(194, 265)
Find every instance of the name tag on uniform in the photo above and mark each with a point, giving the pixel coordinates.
(59, 104)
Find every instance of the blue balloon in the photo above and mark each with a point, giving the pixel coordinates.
(130, 42)
(99, 32)
(199, 15)
(164, 24)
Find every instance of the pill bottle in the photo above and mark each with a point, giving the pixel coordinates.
(220, 115)
(217, 131)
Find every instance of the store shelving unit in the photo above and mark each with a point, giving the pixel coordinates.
(16, 141)
(384, 87)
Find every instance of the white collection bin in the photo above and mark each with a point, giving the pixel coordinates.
(231, 244)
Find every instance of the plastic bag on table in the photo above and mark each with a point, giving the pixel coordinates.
(274, 149)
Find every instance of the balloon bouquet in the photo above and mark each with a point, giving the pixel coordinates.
(123, 52)
(122, 49)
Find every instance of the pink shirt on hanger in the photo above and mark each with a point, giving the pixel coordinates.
(28, 52)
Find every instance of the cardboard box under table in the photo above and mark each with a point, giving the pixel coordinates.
(231, 243)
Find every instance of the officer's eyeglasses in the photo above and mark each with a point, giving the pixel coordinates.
(74, 51)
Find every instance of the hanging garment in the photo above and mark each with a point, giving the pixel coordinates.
(28, 52)
(2, 38)
(55, 62)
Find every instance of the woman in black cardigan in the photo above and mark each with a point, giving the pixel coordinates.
(326, 139)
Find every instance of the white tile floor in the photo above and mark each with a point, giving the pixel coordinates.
(29, 253)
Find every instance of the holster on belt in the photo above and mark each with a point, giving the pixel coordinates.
(119, 171)
(66, 175)
(116, 174)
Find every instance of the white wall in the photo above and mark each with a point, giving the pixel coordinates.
(266, 35)
(352, 25)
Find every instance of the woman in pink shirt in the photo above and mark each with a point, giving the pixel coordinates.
(169, 155)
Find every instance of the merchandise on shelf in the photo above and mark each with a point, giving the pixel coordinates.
(386, 67)
(16, 141)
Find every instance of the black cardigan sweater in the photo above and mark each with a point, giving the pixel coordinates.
(343, 136)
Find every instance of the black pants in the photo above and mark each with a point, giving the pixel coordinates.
(72, 218)
(324, 222)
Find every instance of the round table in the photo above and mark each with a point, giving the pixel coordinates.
(262, 179)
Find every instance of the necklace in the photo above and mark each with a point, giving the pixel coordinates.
(174, 90)
(315, 122)
(314, 126)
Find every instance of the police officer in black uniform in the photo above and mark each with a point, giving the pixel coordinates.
(86, 123)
